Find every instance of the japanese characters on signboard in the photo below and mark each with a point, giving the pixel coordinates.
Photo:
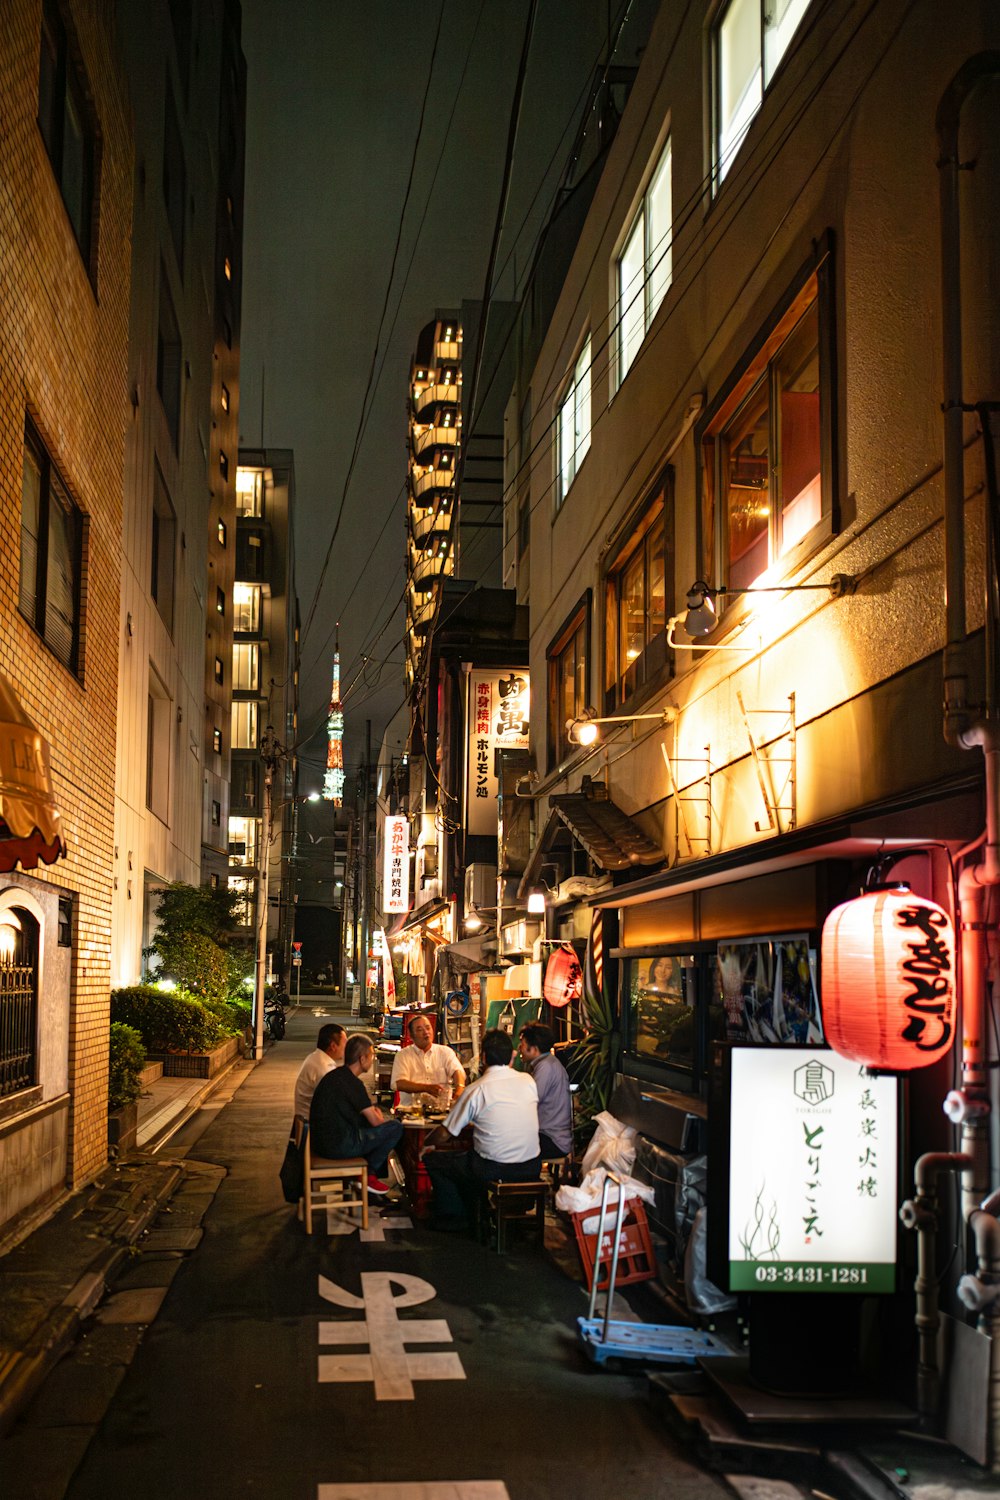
(396, 866)
(498, 720)
(812, 1173)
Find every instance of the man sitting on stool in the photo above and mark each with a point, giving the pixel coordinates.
(555, 1102)
(344, 1122)
(502, 1107)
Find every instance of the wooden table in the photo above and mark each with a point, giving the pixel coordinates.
(416, 1129)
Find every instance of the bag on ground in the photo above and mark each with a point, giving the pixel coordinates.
(293, 1173)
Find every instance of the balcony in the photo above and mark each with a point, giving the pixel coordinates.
(427, 481)
(427, 568)
(448, 352)
(435, 397)
(425, 439)
(428, 524)
(419, 613)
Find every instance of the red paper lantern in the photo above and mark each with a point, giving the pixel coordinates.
(888, 980)
(563, 977)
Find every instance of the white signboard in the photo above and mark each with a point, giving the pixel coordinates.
(498, 720)
(812, 1173)
(396, 867)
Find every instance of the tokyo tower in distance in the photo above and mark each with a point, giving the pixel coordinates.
(333, 780)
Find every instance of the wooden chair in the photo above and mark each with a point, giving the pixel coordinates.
(560, 1169)
(325, 1182)
(510, 1203)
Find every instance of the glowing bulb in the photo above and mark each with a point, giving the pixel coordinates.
(587, 732)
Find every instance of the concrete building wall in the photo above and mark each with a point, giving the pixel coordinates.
(843, 144)
(63, 342)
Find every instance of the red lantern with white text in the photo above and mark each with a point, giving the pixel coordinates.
(563, 977)
(888, 980)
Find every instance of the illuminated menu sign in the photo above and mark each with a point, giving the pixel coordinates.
(812, 1173)
(498, 720)
(396, 869)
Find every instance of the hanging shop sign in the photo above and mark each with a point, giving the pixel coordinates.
(396, 866)
(498, 718)
(812, 1173)
(888, 980)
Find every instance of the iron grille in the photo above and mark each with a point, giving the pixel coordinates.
(18, 1015)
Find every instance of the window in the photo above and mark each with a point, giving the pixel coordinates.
(158, 742)
(246, 667)
(220, 532)
(164, 531)
(768, 446)
(644, 268)
(243, 841)
(220, 671)
(224, 465)
(245, 891)
(249, 492)
(174, 179)
(243, 731)
(51, 554)
(18, 1004)
(220, 602)
(168, 359)
(217, 741)
(216, 814)
(66, 127)
(574, 424)
(65, 929)
(751, 38)
(224, 397)
(246, 608)
(568, 679)
(636, 604)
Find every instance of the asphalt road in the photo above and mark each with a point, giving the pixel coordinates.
(409, 1367)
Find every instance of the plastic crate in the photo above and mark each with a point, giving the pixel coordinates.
(636, 1260)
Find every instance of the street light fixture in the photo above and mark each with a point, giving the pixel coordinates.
(585, 730)
(701, 618)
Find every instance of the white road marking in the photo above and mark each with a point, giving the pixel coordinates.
(433, 1489)
(387, 1363)
(375, 1232)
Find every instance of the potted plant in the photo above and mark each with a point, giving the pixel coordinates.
(126, 1060)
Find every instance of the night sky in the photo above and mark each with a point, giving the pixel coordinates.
(334, 97)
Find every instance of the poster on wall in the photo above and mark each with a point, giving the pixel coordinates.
(498, 718)
(768, 991)
(812, 1173)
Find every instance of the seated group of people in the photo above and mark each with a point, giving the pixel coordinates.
(518, 1119)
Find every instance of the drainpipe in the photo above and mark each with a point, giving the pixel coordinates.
(981, 1294)
(921, 1214)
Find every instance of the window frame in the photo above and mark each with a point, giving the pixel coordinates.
(50, 480)
(580, 618)
(577, 395)
(617, 696)
(813, 286)
(766, 74)
(70, 88)
(664, 157)
(163, 550)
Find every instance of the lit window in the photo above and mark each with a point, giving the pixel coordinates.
(246, 667)
(217, 741)
(220, 670)
(645, 266)
(243, 841)
(224, 398)
(66, 125)
(246, 608)
(636, 604)
(574, 424)
(224, 465)
(221, 532)
(220, 602)
(243, 732)
(51, 554)
(249, 492)
(751, 38)
(227, 268)
(768, 445)
(568, 679)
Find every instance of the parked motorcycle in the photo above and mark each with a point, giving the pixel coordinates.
(275, 1019)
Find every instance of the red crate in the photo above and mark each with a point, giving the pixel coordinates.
(636, 1261)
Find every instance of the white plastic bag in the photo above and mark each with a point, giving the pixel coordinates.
(577, 1200)
(613, 1146)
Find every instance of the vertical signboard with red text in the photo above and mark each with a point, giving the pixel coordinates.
(498, 716)
(396, 868)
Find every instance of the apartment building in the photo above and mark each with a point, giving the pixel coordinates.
(66, 169)
(756, 558)
(187, 84)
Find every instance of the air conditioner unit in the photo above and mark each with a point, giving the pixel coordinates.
(480, 887)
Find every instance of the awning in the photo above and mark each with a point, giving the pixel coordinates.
(612, 839)
(408, 920)
(30, 827)
(452, 961)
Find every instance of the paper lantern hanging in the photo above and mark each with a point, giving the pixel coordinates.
(563, 977)
(888, 980)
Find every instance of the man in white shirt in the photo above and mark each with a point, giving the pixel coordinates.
(329, 1053)
(502, 1107)
(426, 1068)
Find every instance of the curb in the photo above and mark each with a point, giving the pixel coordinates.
(26, 1369)
(171, 1127)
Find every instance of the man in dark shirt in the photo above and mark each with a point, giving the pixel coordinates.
(343, 1121)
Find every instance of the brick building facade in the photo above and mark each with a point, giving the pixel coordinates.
(65, 236)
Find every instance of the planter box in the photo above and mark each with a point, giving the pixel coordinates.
(198, 1064)
(150, 1073)
(123, 1125)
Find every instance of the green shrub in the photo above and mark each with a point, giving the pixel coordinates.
(127, 1058)
(232, 1015)
(167, 1020)
(198, 942)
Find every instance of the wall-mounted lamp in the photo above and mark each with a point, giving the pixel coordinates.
(536, 902)
(586, 729)
(473, 921)
(701, 618)
(10, 926)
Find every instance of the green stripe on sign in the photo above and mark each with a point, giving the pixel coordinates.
(811, 1276)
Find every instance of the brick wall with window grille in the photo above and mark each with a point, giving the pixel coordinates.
(63, 351)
